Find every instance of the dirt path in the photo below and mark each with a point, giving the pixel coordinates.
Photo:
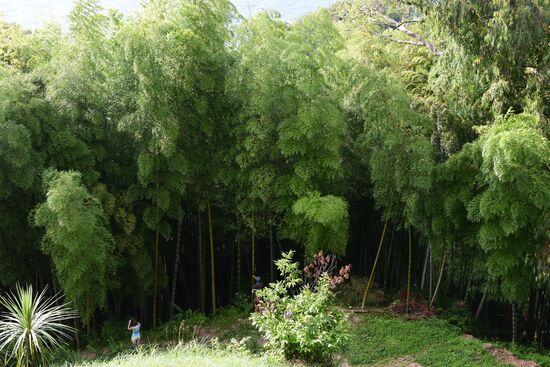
(504, 356)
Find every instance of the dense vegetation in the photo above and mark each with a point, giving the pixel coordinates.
(155, 162)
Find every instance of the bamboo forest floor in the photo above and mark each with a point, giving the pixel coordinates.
(378, 340)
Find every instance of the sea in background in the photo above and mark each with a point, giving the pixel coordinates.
(31, 14)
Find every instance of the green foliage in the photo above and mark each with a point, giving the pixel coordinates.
(513, 220)
(504, 58)
(380, 339)
(178, 63)
(282, 127)
(290, 141)
(16, 154)
(306, 325)
(32, 327)
(393, 138)
(324, 222)
(481, 200)
(78, 241)
(15, 158)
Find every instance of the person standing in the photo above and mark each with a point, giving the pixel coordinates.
(135, 327)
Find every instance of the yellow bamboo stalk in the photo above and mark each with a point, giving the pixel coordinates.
(374, 265)
(409, 273)
(212, 272)
(253, 247)
(155, 286)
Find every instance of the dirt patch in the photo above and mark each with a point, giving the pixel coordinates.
(504, 356)
(406, 361)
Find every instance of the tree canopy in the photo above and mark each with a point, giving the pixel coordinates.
(130, 140)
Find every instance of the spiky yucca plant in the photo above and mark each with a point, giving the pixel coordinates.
(32, 326)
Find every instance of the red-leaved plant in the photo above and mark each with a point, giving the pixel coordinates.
(325, 264)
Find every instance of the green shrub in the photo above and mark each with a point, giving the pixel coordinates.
(301, 322)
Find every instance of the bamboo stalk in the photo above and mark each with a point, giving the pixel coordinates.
(271, 268)
(155, 285)
(440, 276)
(253, 267)
(480, 307)
(425, 268)
(212, 271)
(202, 280)
(176, 265)
(374, 265)
(409, 273)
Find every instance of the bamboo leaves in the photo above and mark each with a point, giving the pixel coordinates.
(78, 240)
(293, 129)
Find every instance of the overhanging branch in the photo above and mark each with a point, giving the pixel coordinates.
(397, 40)
(400, 26)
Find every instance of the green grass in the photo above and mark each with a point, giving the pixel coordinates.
(191, 355)
(381, 339)
(377, 340)
(529, 353)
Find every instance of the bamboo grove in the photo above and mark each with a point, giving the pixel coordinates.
(156, 161)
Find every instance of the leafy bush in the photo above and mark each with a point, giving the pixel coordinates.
(300, 321)
(241, 301)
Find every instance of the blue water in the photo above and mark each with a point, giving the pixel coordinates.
(32, 13)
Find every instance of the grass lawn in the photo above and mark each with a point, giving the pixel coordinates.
(381, 340)
(378, 340)
(191, 355)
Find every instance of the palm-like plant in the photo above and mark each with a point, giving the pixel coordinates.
(33, 326)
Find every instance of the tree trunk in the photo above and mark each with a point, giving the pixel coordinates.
(531, 312)
(252, 266)
(186, 290)
(514, 323)
(176, 265)
(271, 266)
(409, 272)
(387, 265)
(425, 268)
(202, 280)
(431, 268)
(54, 284)
(212, 269)
(238, 254)
(374, 265)
(155, 283)
(439, 278)
(76, 334)
(469, 284)
(480, 307)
